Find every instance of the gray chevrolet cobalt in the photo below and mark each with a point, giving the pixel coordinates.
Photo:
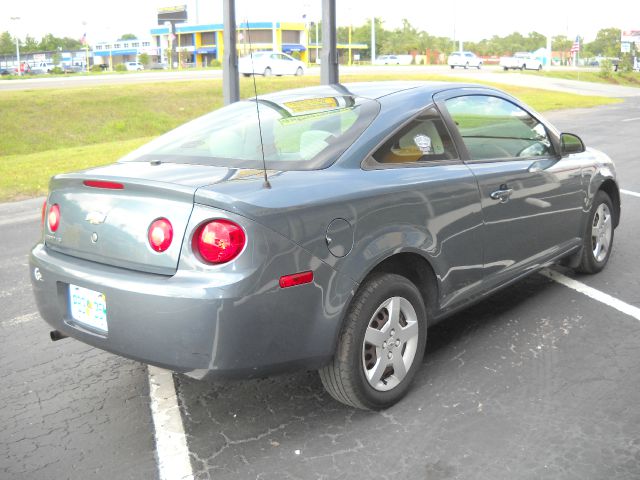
(322, 228)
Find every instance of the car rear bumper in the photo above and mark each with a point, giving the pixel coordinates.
(191, 323)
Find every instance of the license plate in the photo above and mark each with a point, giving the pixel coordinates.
(88, 307)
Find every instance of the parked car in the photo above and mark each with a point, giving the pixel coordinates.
(7, 71)
(134, 66)
(387, 60)
(394, 60)
(270, 63)
(521, 61)
(464, 59)
(327, 236)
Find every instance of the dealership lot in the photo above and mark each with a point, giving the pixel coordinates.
(539, 381)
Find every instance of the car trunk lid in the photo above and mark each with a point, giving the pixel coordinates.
(105, 213)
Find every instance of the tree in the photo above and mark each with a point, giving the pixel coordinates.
(30, 44)
(606, 44)
(128, 36)
(7, 45)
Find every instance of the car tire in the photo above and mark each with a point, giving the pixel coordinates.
(299, 72)
(539, 67)
(522, 68)
(466, 65)
(452, 67)
(506, 69)
(597, 240)
(246, 74)
(479, 65)
(267, 72)
(362, 373)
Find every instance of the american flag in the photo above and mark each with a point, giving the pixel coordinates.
(575, 48)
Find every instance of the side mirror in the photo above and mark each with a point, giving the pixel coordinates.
(570, 143)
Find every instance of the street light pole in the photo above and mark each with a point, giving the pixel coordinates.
(17, 47)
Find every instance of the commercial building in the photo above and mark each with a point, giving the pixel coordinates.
(203, 44)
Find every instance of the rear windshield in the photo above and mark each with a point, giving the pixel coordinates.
(295, 134)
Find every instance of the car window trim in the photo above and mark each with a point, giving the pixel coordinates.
(440, 99)
(370, 163)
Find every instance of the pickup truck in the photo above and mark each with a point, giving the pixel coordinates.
(522, 61)
(42, 67)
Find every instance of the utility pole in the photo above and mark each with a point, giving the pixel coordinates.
(373, 40)
(329, 57)
(17, 47)
(230, 75)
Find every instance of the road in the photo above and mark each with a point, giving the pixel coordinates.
(539, 381)
(487, 73)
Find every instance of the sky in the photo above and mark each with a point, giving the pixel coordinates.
(467, 20)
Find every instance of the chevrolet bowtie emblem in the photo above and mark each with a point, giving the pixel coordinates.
(96, 218)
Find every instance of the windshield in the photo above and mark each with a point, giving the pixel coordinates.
(296, 134)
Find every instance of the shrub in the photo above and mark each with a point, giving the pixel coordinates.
(215, 63)
(606, 69)
(143, 58)
(96, 68)
(57, 70)
(121, 67)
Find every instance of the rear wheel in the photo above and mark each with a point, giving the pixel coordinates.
(299, 72)
(452, 67)
(381, 345)
(267, 72)
(598, 236)
(466, 65)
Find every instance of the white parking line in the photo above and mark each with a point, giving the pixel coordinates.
(172, 452)
(631, 119)
(593, 293)
(629, 192)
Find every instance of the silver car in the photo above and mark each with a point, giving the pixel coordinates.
(328, 235)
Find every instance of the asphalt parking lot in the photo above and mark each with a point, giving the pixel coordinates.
(538, 381)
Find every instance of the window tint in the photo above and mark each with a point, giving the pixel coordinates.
(422, 140)
(493, 128)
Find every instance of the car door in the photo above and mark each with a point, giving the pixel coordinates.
(436, 193)
(531, 198)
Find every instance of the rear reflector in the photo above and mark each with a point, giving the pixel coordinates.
(103, 184)
(294, 279)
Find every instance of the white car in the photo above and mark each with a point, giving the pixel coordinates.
(134, 66)
(270, 63)
(465, 60)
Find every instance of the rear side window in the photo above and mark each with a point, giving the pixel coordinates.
(494, 128)
(424, 139)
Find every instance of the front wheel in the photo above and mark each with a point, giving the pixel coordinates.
(598, 236)
(267, 72)
(452, 67)
(381, 345)
(479, 66)
(299, 72)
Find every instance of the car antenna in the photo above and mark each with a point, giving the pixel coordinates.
(266, 183)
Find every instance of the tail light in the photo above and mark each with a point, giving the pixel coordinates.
(219, 241)
(54, 217)
(160, 234)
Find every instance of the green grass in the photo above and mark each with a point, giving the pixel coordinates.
(23, 176)
(45, 132)
(629, 79)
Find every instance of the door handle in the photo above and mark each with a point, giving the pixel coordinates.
(503, 194)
